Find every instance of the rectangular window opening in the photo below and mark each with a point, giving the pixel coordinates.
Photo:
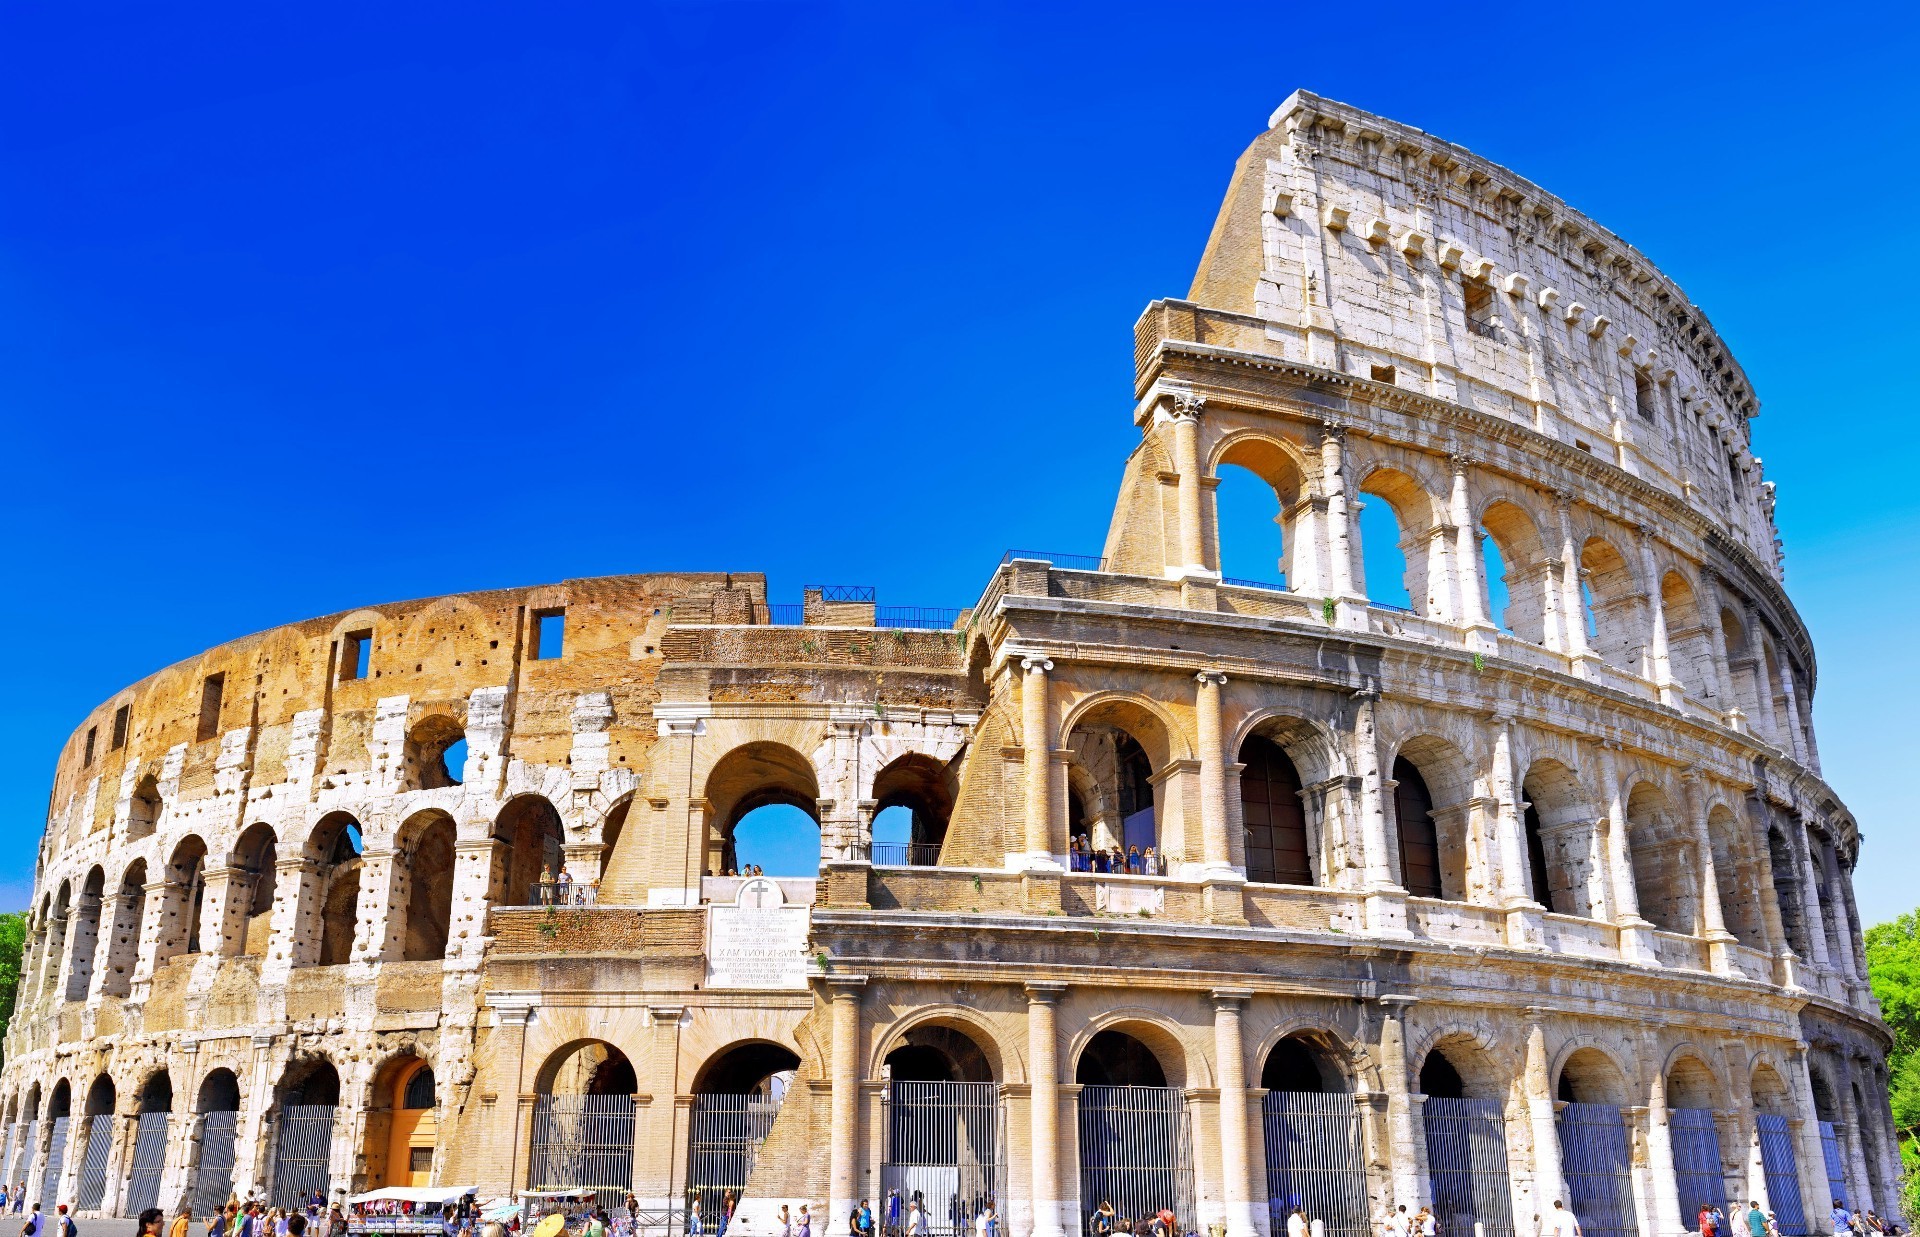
(356, 655)
(211, 690)
(1480, 315)
(122, 723)
(1383, 373)
(93, 733)
(1643, 394)
(549, 634)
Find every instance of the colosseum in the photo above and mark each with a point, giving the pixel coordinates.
(1136, 882)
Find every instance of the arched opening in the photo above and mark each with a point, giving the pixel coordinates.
(1788, 892)
(1466, 1131)
(583, 1120)
(1690, 654)
(251, 887)
(1663, 862)
(1419, 840)
(943, 1121)
(1136, 1142)
(1827, 1115)
(1773, 696)
(186, 879)
(143, 808)
(55, 917)
(610, 830)
(1260, 537)
(336, 844)
(1616, 614)
(122, 925)
(1565, 859)
(1594, 1147)
(1273, 815)
(1314, 1145)
(29, 1144)
(1742, 673)
(60, 1114)
(1733, 871)
(1517, 574)
(765, 807)
(436, 753)
(1383, 556)
(914, 796)
(84, 935)
(149, 1143)
(402, 1125)
(305, 1105)
(1117, 751)
(736, 1096)
(1773, 1110)
(1396, 541)
(526, 857)
(96, 1143)
(425, 862)
(1698, 1174)
(218, 1109)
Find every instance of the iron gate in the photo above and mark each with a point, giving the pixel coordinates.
(1136, 1151)
(1598, 1167)
(93, 1161)
(149, 1157)
(1781, 1169)
(724, 1133)
(6, 1160)
(1467, 1165)
(214, 1182)
(944, 1142)
(582, 1142)
(23, 1154)
(303, 1147)
(56, 1163)
(1315, 1160)
(1698, 1176)
(1836, 1164)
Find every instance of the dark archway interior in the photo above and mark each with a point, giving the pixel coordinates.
(1419, 839)
(613, 1076)
(220, 1092)
(1537, 874)
(744, 1069)
(1272, 815)
(316, 1084)
(939, 1054)
(1294, 1065)
(100, 1096)
(61, 1103)
(1116, 1059)
(157, 1095)
(1439, 1080)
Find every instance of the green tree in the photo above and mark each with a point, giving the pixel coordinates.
(1893, 968)
(13, 944)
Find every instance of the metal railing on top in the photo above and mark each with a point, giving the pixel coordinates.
(1269, 585)
(564, 893)
(786, 616)
(906, 854)
(846, 592)
(1072, 562)
(929, 618)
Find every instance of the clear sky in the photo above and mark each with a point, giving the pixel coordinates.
(303, 307)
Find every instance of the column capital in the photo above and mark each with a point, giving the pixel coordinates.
(1044, 992)
(1230, 998)
(1187, 404)
(845, 987)
(1217, 678)
(1035, 663)
(1462, 461)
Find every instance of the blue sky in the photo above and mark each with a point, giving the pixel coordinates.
(305, 307)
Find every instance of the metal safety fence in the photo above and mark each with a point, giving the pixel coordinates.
(724, 1133)
(149, 1158)
(6, 1157)
(582, 1142)
(1698, 1176)
(302, 1153)
(23, 1153)
(56, 1164)
(945, 1145)
(1781, 1168)
(94, 1157)
(1467, 1165)
(1136, 1151)
(1315, 1160)
(1598, 1168)
(1836, 1163)
(213, 1183)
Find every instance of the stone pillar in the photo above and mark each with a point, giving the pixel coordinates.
(1236, 1164)
(295, 941)
(1635, 943)
(156, 945)
(1215, 845)
(1043, 1063)
(380, 934)
(1036, 738)
(1713, 921)
(1573, 606)
(1406, 1154)
(843, 1137)
(1810, 899)
(249, 1139)
(1665, 1188)
(112, 909)
(1483, 636)
(1660, 650)
(1796, 733)
(1810, 1153)
(1853, 1139)
(1548, 1183)
(1350, 605)
(1186, 461)
(1840, 936)
(1386, 899)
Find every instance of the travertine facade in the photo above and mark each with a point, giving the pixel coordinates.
(1573, 862)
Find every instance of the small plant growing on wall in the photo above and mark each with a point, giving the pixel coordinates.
(1326, 610)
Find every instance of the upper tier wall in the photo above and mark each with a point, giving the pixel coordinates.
(1375, 249)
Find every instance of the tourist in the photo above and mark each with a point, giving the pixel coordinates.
(1756, 1220)
(596, 1219)
(150, 1220)
(4, 1197)
(1101, 1222)
(67, 1227)
(916, 1219)
(546, 885)
(804, 1226)
(297, 1224)
(1426, 1223)
(34, 1223)
(1153, 863)
(784, 1224)
(1561, 1222)
(860, 1223)
(563, 885)
(890, 1211)
(1842, 1218)
(1297, 1225)
(1707, 1227)
(986, 1224)
(695, 1225)
(1164, 1224)
(182, 1221)
(1398, 1225)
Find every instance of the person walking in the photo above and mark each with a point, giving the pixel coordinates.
(182, 1221)
(1842, 1219)
(1756, 1220)
(35, 1223)
(803, 1227)
(986, 1224)
(1705, 1218)
(916, 1219)
(860, 1223)
(1562, 1222)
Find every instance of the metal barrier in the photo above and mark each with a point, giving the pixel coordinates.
(846, 592)
(563, 893)
(945, 1143)
(23, 1152)
(1136, 1151)
(582, 1142)
(1781, 1168)
(93, 1161)
(724, 1133)
(786, 615)
(1315, 1160)
(1698, 1176)
(1071, 562)
(56, 1162)
(302, 1153)
(1598, 1168)
(6, 1157)
(214, 1182)
(1836, 1162)
(149, 1158)
(906, 854)
(1467, 1165)
(926, 618)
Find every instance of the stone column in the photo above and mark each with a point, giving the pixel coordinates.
(1548, 1183)
(1635, 944)
(249, 1139)
(1483, 636)
(1810, 1153)
(1043, 1062)
(1215, 846)
(1340, 539)
(843, 1136)
(1229, 1050)
(295, 941)
(1573, 607)
(1185, 418)
(1810, 908)
(1713, 922)
(1036, 744)
(1796, 734)
(1660, 650)
(1406, 1153)
(1665, 1188)
(1840, 936)
(1386, 899)
(1853, 1139)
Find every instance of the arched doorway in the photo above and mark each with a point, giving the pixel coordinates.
(336, 845)
(401, 1125)
(914, 799)
(1699, 1175)
(149, 1145)
(1419, 838)
(1136, 1142)
(306, 1103)
(583, 1120)
(1595, 1157)
(1779, 1165)
(736, 1097)
(945, 1129)
(765, 806)
(1315, 1150)
(219, 1113)
(1826, 1112)
(1466, 1130)
(29, 1140)
(97, 1144)
(60, 1113)
(527, 855)
(1273, 816)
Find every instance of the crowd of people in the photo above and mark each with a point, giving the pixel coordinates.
(1083, 856)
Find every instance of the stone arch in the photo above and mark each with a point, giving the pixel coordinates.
(586, 1067)
(436, 751)
(1736, 875)
(929, 1025)
(1161, 1043)
(923, 789)
(1563, 847)
(83, 933)
(1525, 575)
(1415, 514)
(143, 808)
(1742, 667)
(184, 896)
(250, 889)
(1279, 465)
(1788, 888)
(1663, 861)
(402, 1123)
(219, 1091)
(156, 1093)
(937, 1052)
(1615, 607)
(527, 853)
(336, 845)
(1281, 841)
(1771, 1094)
(310, 1078)
(1307, 1059)
(1691, 1082)
(1588, 1074)
(1461, 1064)
(751, 777)
(422, 898)
(102, 1096)
(1122, 746)
(1431, 792)
(1691, 659)
(746, 1067)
